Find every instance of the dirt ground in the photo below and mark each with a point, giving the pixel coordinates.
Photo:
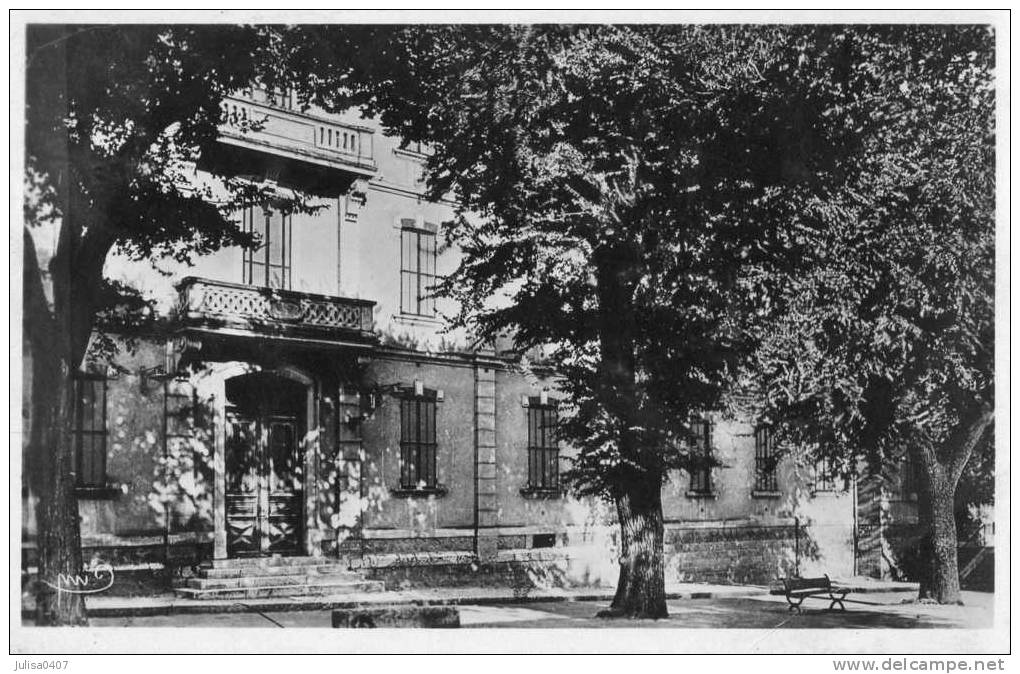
(865, 611)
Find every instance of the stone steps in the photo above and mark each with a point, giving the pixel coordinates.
(268, 562)
(273, 580)
(270, 577)
(277, 591)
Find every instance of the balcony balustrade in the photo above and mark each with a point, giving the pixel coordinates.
(290, 133)
(231, 308)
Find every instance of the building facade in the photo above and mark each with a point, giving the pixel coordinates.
(306, 399)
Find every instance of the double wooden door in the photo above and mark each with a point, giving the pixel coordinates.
(265, 475)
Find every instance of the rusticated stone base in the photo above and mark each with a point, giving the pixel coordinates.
(744, 554)
(521, 576)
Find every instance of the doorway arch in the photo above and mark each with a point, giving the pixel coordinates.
(233, 388)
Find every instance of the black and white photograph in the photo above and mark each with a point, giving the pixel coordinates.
(511, 332)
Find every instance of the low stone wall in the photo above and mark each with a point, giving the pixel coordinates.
(753, 554)
(420, 544)
(716, 553)
(128, 553)
(518, 569)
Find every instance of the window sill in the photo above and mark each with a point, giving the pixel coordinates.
(541, 492)
(424, 492)
(414, 319)
(107, 493)
(701, 494)
(766, 494)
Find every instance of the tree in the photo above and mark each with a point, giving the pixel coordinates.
(116, 116)
(884, 340)
(613, 184)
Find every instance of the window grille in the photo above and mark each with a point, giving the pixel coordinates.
(765, 460)
(701, 475)
(543, 450)
(825, 479)
(418, 442)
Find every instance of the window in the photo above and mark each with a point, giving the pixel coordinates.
(765, 460)
(701, 474)
(418, 441)
(269, 264)
(417, 269)
(543, 450)
(909, 480)
(825, 479)
(90, 431)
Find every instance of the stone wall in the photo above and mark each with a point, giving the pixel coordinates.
(734, 554)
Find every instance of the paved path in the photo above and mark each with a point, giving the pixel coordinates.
(869, 611)
(100, 606)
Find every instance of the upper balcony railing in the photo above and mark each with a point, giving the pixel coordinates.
(280, 128)
(268, 312)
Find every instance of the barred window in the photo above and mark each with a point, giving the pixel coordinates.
(89, 431)
(417, 270)
(825, 478)
(701, 475)
(543, 449)
(418, 441)
(269, 264)
(765, 460)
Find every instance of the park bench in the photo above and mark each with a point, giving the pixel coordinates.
(799, 589)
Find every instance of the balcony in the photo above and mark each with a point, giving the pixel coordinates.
(224, 310)
(288, 145)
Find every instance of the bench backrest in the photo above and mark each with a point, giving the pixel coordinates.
(792, 584)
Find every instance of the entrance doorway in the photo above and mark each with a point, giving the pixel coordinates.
(264, 465)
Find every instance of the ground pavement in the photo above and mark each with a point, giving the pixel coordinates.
(873, 610)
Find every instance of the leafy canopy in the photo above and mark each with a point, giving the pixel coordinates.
(886, 337)
(675, 163)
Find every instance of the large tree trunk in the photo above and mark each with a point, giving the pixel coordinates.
(59, 536)
(941, 580)
(641, 590)
(941, 475)
(50, 470)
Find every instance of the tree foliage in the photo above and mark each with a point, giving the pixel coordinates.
(679, 156)
(884, 342)
(116, 117)
(638, 197)
(886, 335)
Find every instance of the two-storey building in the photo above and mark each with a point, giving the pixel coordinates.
(306, 401)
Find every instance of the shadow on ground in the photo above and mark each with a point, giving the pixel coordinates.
(733, 614)
(745, 613)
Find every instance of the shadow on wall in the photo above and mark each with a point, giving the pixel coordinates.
(741, 554)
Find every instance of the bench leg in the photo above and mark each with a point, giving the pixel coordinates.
(795, 606)
(835, 601)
